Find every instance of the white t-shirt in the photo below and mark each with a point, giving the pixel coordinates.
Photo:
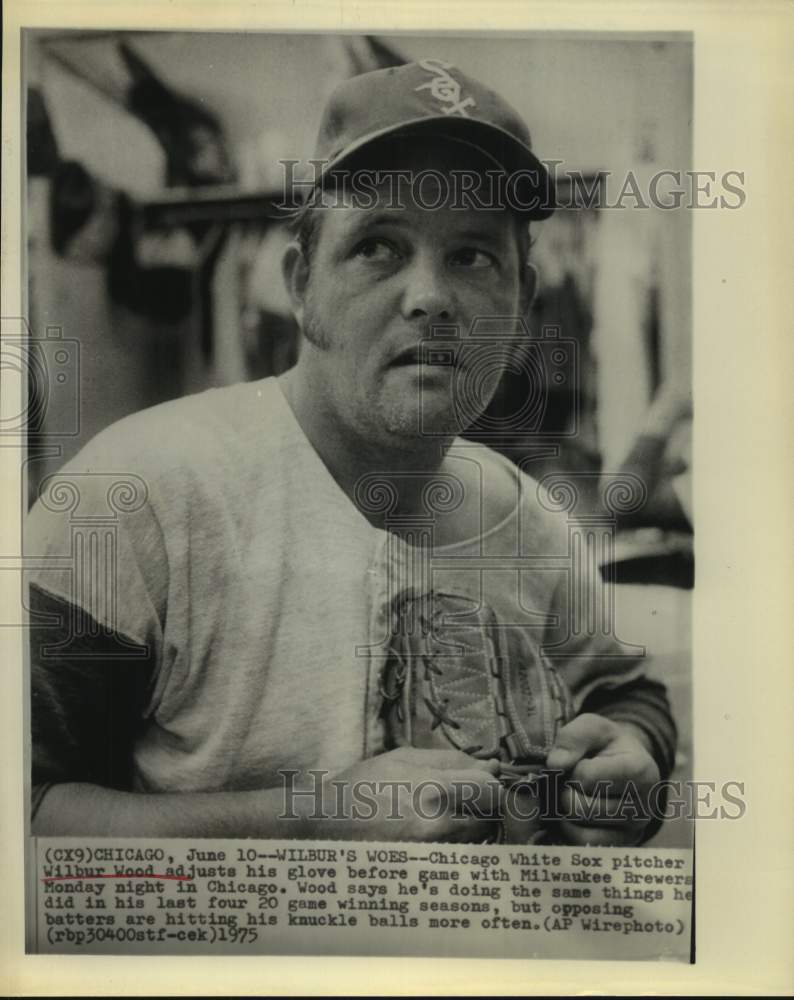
(263, 594)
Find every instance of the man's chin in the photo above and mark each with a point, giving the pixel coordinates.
(427, 412)
(421, 401)
(418, 426)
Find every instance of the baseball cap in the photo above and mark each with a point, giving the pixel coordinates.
(435, 97)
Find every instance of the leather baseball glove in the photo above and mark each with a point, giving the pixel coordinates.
(455, 679)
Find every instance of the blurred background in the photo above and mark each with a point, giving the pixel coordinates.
(154, 244)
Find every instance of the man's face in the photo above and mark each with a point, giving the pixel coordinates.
(380, 279)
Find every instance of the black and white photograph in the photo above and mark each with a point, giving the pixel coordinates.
(358, 532)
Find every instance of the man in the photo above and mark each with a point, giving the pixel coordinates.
(235, 630)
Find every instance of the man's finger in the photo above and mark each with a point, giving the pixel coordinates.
(600, 810)
(616, 770)
(586, 734)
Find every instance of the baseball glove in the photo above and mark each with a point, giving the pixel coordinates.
(455, 679)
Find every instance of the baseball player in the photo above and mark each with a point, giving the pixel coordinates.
(308, 584)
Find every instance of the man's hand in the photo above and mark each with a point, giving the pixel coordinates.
(413, 794)
(592, 751)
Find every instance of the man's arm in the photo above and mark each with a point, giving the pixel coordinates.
(623, 735)
(83, 810)
(375, 800)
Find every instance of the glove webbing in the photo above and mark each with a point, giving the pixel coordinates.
(512, 770)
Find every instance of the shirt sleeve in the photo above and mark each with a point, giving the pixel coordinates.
(88, 695)
(96, 595)
(604, 674)
(611, 678)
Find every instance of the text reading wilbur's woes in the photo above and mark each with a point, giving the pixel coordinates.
(266, 897)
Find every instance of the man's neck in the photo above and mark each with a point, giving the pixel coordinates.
(407, 465)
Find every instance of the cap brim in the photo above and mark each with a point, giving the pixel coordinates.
(508, 152)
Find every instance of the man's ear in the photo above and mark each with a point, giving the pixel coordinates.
(295, 269)
(529, 286)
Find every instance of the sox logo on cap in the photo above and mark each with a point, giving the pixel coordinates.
(445, 88)
(417, 98)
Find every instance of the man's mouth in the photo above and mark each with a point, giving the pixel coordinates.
(423, 355)
(415, 355)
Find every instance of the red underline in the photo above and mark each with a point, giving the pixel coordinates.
(178, 878)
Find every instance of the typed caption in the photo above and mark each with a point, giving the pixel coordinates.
(267, 897)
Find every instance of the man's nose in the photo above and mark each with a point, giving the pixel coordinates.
(428, 291)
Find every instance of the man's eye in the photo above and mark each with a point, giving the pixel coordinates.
(471, 257)
(375, 250)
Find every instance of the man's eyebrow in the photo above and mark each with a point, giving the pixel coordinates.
(380, 218)
(367, 220)
(477, 233)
